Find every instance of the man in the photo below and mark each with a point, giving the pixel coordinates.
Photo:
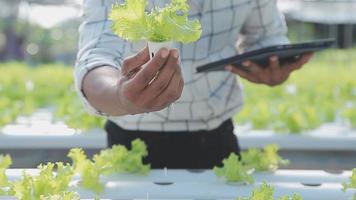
(114, 78)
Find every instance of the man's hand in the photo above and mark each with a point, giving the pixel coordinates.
(150, 85)
(272, 75)
(142, 85)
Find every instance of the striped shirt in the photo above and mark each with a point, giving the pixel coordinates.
(208, 99)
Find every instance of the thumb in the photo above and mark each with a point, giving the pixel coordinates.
(134, 62)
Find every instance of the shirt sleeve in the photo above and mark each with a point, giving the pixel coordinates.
(98, 46)
(264, 26)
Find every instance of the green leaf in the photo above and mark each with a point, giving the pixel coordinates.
(129, 20)
(171, 23)
(62, 196)
(5, 162)
(297, 197)
(233, 170)
(118, 159)
(115, 160)
(266, 160)
(47, 185)
(265, 192)
(352, 183)
(89, 172)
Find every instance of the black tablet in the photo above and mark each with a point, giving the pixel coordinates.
(286, 53)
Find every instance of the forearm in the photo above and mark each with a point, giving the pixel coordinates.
(100, 88)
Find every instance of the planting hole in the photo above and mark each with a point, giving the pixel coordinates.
(163, 183)
(334, 171)
(312, 184)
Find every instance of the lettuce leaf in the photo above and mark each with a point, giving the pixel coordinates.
(233, 170)
(171, 23)
(62, 196)
(5, 162)
(129, 19)
(351, 184)
(89, 172)
(266, 192)
(118, 159)
(263, 160)
(47, 185)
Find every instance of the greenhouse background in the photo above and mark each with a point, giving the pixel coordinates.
(311, 117)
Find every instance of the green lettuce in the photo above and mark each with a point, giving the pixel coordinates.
(233, 170)
(351, 184)
(5, 162)
(118, 159)
(171, 23)
(263, 160)
(266, 192)
(47, 185)
(237, 169)
(89, 172)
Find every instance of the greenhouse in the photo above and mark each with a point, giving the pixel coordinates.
(177, 99)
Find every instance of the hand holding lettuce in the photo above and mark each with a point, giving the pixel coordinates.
(147, 83)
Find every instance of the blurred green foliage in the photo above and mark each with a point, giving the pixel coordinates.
(323, 91)
(25, 89)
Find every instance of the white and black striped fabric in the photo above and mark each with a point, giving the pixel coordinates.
(208, 99)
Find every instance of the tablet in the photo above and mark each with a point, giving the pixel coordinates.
(286, 53)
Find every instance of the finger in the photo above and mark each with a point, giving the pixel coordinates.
(135, 61)
(170, 94)
(242, 73)
(299, 63)
(161, 82)
(149, 70)
(274, 63)
(252, 67)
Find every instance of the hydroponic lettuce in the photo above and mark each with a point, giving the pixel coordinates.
(351, 184)
(52, 184)
(89, 172)
(266, 192)
(233, 170)
(171, 23)
(5, 162)
(118, 159)
(240, 170)
(267, 159)
(47, 185)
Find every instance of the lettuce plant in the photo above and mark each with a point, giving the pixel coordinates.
(47, 185)
(351, 184)
(171, 23)
(5, 162)
(263, 160)
(118, 159)
(233, 170)
(266, 192)
(51, 184)
(237, 169)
